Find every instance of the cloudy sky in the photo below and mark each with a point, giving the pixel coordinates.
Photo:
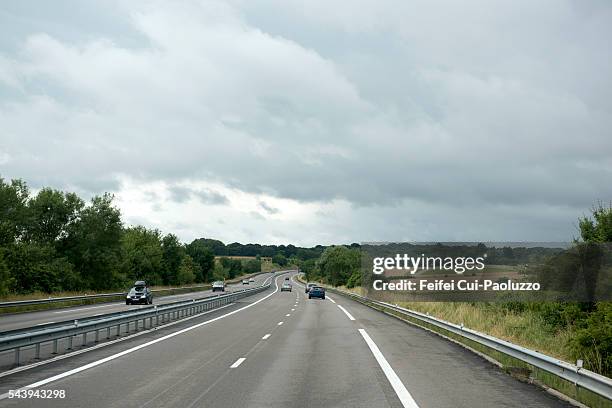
(315, 122)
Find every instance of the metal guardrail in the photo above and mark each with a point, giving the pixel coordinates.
(35, 336)
(580, 377)
(17, 303)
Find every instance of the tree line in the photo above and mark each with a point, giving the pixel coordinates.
(54, 241)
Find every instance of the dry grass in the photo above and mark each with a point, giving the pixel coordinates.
(525, 328)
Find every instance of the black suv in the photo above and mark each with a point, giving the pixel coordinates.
(140, 293)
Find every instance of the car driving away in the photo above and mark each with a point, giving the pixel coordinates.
(316, 292)
(140, 293)
(218, 286)
(286, 287)
(308, 286)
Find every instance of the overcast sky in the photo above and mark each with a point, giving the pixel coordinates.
(312, 122)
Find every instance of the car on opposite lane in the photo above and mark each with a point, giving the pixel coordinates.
(286, 287)
(218, 286)
(140, 293)
(316, 291)
(245, 281)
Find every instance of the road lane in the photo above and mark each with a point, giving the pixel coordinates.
(436, 370)
(169, 371)
(28, 319)
(317, 357)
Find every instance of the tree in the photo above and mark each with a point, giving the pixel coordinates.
(13, 210)
(49, 214)
(232, 266)
(279, 259)
(203, 256)
(338, 263)
(142, 255)
(173, 253)
(599, 227)
(93, 244)
(38, 268)
(6, 280)
(252, 266)
(187, 271)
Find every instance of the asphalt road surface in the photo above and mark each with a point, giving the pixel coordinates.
(281, 350)
(28, 319)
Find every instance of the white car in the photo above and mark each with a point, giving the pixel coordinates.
(245, 281)
(252, 280)
(218, 286)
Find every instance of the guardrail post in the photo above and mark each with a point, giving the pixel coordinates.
(84, 339)
(97, 336)
(17, 350)
(69, 343)
(108, 332)
(54, 347)
(119, 330)
(37, 352)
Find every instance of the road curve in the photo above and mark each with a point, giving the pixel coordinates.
(282, 350)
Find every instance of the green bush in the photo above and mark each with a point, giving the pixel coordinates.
(593, 340)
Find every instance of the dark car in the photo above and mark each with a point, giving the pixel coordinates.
(308, 286)
(317, 292)
(218, 286)
(140, 293)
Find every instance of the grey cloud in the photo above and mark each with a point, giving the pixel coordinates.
(211, 197)
(374, 106)
(257, 216)
(182, 194)
(267, 208)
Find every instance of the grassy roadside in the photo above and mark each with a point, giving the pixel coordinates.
(526, 328)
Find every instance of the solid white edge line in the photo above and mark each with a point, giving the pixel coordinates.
(280, 323)
(399, 388)
(266, 337)
(330, 299)
(136, 348)
(350, 316)
(288, 314)
(107, 343)
(238, 362)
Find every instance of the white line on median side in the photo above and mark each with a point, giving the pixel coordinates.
(141, 346)
(350, 316)
(280, 323)
(293, 310)
(238, 362)
(266, 337)
(288, 314)
(399, 388)
(331, 300)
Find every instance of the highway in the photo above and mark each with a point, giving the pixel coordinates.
(279, 349)
(28, 319)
